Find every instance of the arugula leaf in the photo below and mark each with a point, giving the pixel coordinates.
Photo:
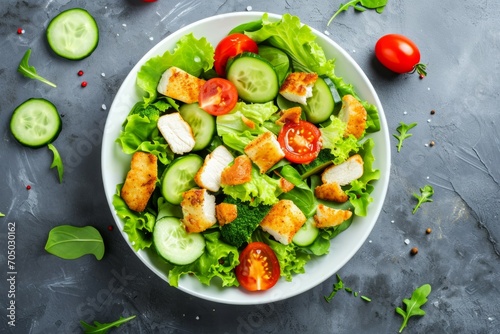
(71, 242)
(57, 162)
(102, 328)
(403, 130)
(378, 5)
(418, 298)
(29, 71)
(427, 191)
(2, 215)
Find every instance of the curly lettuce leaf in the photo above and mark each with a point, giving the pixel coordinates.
(140, 133)
(333, 138)
(262, 189)
(218, 260)
(244, 123)
(138, 225)
(360, 189)
(193, 55)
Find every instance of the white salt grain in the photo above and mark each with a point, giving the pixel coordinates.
(407, 241)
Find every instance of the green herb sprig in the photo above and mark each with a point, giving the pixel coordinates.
(427, 191)
(340, 286)
(102, 328)
(418, 298)
(57, 162)
(70, 242)
(360, 6)
(30, 71)
(403, 133)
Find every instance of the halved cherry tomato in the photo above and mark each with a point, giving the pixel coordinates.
(231, 46)
(300, 141)
(218, 96)
(259, 268)
(399, 54)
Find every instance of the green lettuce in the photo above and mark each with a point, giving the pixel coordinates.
(333, 138)
(140, 133)
(360, 189)
(137, 225)
(218, 260)
(192, 55)
(299, 42)
(235, 131)
(261, 189)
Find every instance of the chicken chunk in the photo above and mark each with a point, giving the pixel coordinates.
(344, 173)
(354, 114)
(198, 209)
(180, 85)
(265, 151)
(298, 86)
(283, 221)
(140, 181)
(329, 217)
(177, 132)
(239, 172)
(209, 175)
(226, 213)
(331, 192)
(290, 115)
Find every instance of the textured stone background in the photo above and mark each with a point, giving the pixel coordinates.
(459, 40)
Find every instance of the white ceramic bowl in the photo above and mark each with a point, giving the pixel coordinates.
(115, 164)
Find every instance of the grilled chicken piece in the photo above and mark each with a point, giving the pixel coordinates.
(265, 151)
(298, 86)
(198, 209)
(140, 181)
(283, 221)
(354, 114)
(209, 175)
(180, 85)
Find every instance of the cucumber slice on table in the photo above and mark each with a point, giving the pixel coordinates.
(254, 77)
(201, 122)
(179, 177)
(35, 123)
(73, 34)
(307, 233)
(174, 244)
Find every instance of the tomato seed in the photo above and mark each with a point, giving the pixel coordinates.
(84, 84)
(80, 73)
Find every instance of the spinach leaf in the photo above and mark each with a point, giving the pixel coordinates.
(103, 328)
(71, 242)
(418, 298)
(29, 71)
(403, 131)
(427, 191)
(360, 6)
(57, 162)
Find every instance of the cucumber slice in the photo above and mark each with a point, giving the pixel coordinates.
(335, 94)
(201, 122)
(307, 233)
(179, 177)
(254, 78)
(174, 244)
(278, 59)
(73, 34)
(321, 104)
(35, 123)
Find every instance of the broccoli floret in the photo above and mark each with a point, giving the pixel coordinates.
(240, 230)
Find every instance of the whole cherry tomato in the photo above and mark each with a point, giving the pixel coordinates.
(231, 46)
(399, 54)
(218, 96)
(259, 268)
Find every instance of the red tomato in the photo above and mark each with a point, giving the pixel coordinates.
(399, 54)
(300, 141)
(259, 268)
(218, 96)
(231, 46)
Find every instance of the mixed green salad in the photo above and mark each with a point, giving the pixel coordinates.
(223, 244)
